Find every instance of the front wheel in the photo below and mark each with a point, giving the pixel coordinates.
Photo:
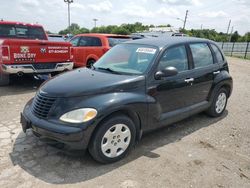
(219, 103)
(113, 139)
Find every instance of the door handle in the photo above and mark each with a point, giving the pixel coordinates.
(216, 72)
(189, 80)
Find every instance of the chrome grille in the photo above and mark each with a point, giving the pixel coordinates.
(42, 105)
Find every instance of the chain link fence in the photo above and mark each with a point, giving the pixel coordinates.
(238, 49)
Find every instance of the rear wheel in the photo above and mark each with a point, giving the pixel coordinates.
(4, 79)
(113, 139)
(90, 63)
(219, 103)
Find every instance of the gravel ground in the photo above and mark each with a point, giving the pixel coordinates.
(197, 152)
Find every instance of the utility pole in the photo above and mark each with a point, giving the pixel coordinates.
(95, 20)
(232, 29)
(185, 20)
(69, 2)
(228, 26)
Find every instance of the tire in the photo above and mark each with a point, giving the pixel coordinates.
(219, 103)
(113, 139)
(4, 79)
(90, 63)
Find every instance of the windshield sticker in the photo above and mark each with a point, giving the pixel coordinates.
(146, 50)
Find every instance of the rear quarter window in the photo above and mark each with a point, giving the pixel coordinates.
(202, 55)
(218, 54)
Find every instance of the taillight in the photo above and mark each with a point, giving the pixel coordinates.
(5, 53)
(71, 53)
(105, 50)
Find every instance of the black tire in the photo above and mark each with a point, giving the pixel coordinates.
(212, 109)
(97, 139)
(4, 79)
(90, 63)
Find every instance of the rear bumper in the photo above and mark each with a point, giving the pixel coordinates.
(29, 68)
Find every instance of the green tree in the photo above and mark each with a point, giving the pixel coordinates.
(235, 36)
(120, 31)
(74, 29)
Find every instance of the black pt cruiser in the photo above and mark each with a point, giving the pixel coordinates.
(136, 87)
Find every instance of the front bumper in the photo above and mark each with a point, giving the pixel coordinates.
(72, 137)
(29, 68)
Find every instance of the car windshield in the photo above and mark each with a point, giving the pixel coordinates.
(117, 40)
(127, 59)
(22, 31)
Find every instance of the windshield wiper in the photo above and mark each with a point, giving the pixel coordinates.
(107, 69)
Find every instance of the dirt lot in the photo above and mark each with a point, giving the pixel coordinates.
(197, 152)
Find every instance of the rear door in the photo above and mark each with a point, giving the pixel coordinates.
(204, 70)
(90, 48)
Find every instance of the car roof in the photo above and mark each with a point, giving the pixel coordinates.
(162, 42)
(103, 35)
(20, 23)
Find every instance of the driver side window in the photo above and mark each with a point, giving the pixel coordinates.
(174, 57)
(75, 41)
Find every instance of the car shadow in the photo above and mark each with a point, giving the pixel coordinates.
(21, 85)
(53, 166)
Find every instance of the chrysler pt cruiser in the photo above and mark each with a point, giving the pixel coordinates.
(136, 87)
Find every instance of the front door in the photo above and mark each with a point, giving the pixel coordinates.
(173, 93)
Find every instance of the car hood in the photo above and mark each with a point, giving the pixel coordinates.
(85, 81)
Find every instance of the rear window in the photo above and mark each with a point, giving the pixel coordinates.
(117, 40)
(20, 31)
(56, 38)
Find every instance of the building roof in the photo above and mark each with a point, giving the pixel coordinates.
(162, 42)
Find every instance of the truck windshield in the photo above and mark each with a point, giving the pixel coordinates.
(22, 31)
(127, 59)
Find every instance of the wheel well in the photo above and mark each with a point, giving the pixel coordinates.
(132, 115)
(228, 88)
(90, 59)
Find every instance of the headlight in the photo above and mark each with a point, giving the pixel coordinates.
(79, 116)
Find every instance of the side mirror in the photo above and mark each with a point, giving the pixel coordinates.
(167, 72)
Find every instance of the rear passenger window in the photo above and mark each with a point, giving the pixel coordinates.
(218, 54)
(90, 41)
(175, 57)
(202, 55)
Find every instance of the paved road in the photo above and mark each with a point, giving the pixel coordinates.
(197, 152)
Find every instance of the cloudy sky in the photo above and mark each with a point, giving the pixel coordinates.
(53, 13)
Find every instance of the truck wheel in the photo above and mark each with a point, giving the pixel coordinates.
(219, 103)
(4, 79)
(90, 63)
(113, 139)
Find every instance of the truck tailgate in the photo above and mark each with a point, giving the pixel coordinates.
(38, 51)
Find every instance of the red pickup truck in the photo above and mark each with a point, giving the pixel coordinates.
(25, 49)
